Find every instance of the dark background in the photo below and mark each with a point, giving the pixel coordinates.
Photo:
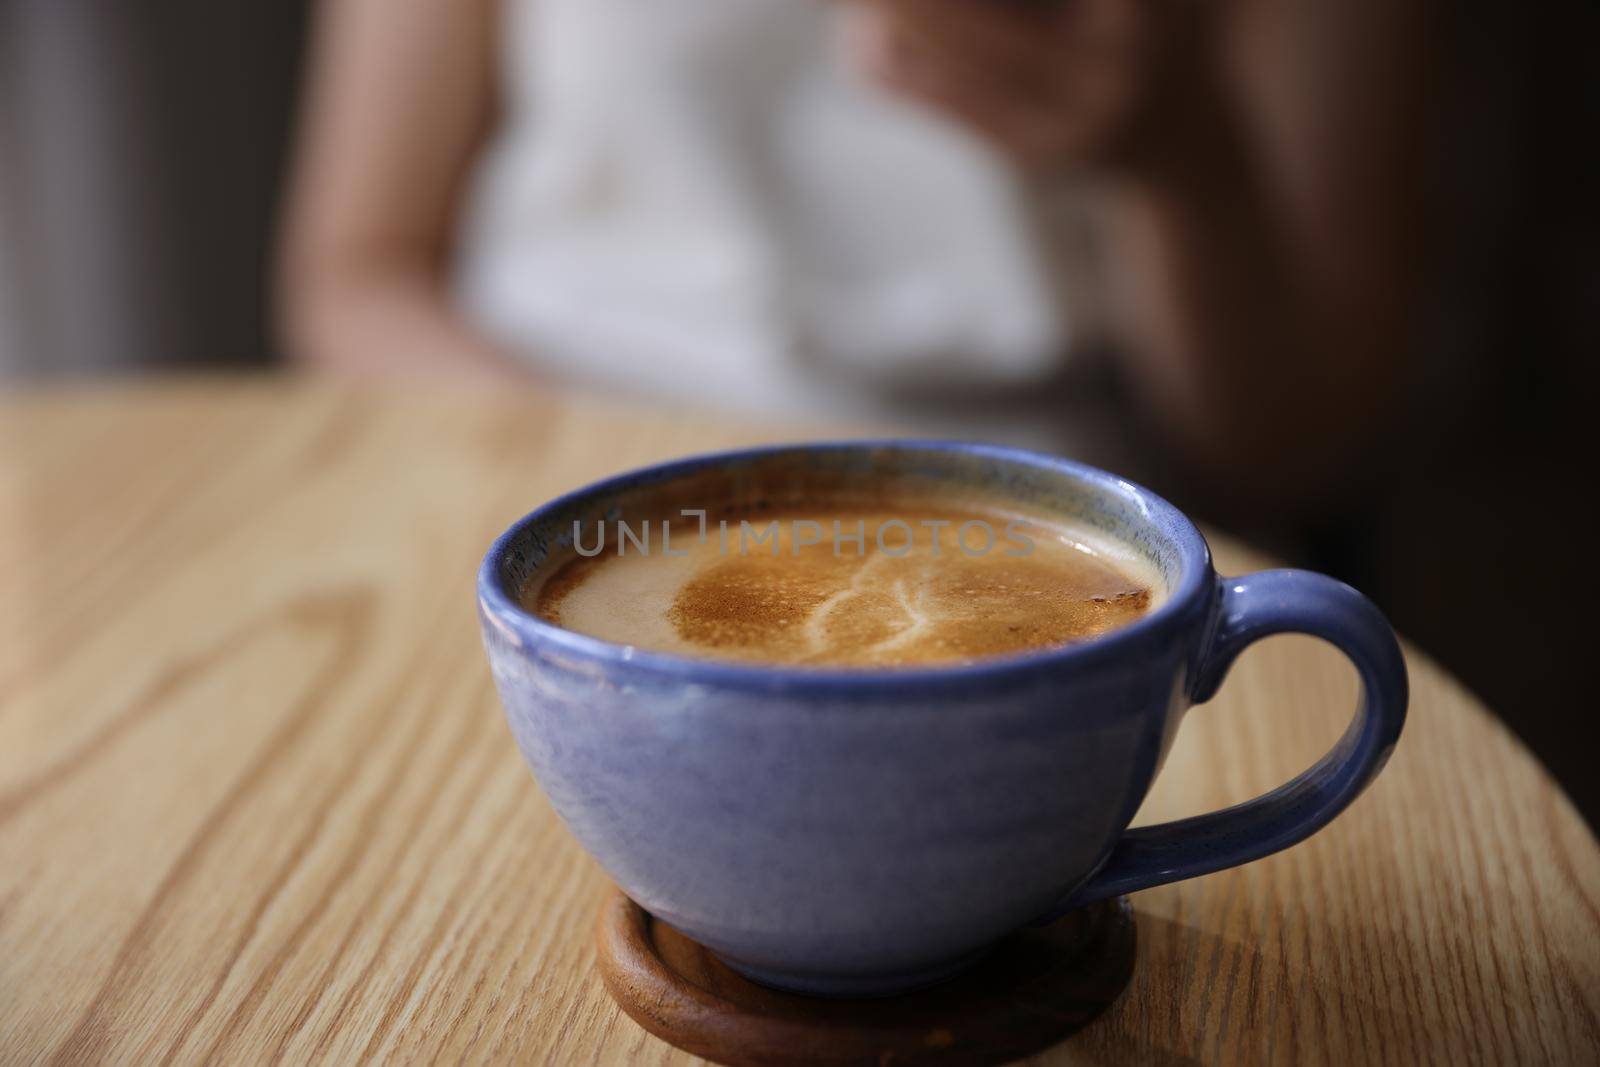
(141, 149)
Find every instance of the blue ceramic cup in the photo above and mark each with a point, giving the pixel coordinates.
(862, 831)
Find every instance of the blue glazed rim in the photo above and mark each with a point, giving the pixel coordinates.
(501, 609)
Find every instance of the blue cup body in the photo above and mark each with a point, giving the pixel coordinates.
(861, 832)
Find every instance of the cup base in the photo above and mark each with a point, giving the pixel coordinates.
(850, 987)
(1025, 994)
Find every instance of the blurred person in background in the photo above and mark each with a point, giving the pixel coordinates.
(796, 206)
(1314, 270)
(701, 201)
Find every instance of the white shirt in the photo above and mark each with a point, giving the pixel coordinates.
(700, 200)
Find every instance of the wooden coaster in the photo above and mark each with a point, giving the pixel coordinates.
(1037, 987)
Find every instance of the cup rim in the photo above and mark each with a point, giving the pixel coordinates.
(500, 608)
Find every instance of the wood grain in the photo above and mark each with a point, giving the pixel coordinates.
(257, 801)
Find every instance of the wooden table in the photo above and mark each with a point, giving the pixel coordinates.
(257, 800)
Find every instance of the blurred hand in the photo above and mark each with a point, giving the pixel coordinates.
(1054, 83)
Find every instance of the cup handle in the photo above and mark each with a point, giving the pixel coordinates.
(1253, 607)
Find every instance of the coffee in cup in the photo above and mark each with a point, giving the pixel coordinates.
(852, 581)
(847, 775)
